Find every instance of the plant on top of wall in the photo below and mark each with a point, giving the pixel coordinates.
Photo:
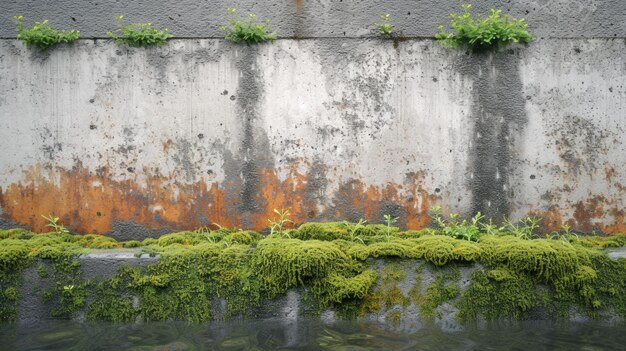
(42, 35)
(247, 30)
(138, 34)
(483, 32)
(385, 28)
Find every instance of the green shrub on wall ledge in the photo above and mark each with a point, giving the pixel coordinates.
(138, 34)
(483, 32)
(42, 35)
(248, 30)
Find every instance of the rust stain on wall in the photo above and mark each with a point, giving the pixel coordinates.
(551, 219)
(90, 202)
(594, 214)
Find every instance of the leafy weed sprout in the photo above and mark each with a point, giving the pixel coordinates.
(524, 228)
(466, 230)
(42, 35)
(53, 222)
(138, 34)
(385, 28)
(480, 31)
(248, 30)
(389, 221)
(278, 226)
(472, 230)
(354, 229)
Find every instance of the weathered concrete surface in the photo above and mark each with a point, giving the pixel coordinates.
(318, 18)
(295, 305)
(122, 141)
(95, 265)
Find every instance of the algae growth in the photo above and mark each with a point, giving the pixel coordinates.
(349, 267)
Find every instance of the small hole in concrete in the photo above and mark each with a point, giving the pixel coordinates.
(92, 126)
(437, 190)
(532, 176)
(232, 97)
(200, 136)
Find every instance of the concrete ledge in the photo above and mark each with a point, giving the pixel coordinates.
(319, 18)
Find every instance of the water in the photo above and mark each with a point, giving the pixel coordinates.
(307, 335)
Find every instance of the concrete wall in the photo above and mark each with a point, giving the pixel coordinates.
(317, 18)
(134, 142)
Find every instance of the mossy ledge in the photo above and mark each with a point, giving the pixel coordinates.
(340, 270)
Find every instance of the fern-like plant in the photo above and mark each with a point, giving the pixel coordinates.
(42, 36)
(478, 31)
(247, 30)
(138, 34)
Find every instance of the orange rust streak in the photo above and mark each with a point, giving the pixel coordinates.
(551, 220)
(587, 216)
(89, 202)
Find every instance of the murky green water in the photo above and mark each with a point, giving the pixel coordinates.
(307, 335)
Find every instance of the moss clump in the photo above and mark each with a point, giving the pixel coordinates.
(330, 231)
(111, 300)
(285, 263)
(243, 267)
(498, 293)
(386, 293)
(444, 288)
(436, 249)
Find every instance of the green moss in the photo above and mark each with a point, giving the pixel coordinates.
(320, 231)
(112, 299)
(618, 240)
(436, 249)
(285, 263)
(94, 241)
(444, 288)
(330, 231)
(242, 267)
(498, 293)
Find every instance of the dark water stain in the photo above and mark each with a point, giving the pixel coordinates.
(315, 190)
(498, 115)
(131, 230)
(243, 173)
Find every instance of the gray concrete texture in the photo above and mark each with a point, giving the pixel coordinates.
(138, 142)
(318, 18)
(286, 310)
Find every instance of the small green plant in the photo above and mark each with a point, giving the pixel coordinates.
(42, 35)
(491, 228)
(354, 229)
(248, 30)
(53, 222)
(524, 228)
(389, 221)
(385, 28)
(480, 31)
(278, 226)
(466, 230)
(138, 34)
(565, 234)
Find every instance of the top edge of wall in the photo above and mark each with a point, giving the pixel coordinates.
(317, 18)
